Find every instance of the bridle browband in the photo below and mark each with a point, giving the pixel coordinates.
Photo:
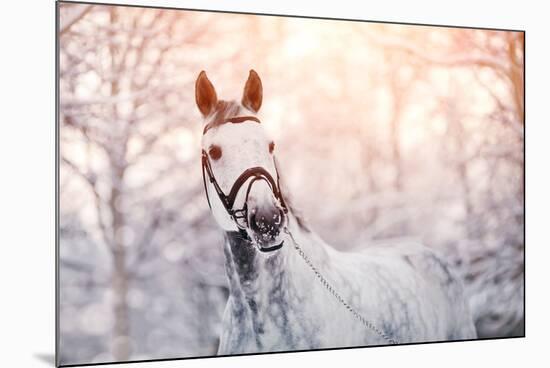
(234, 120)
(240, 216)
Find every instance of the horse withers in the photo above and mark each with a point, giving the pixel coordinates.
(289, 290)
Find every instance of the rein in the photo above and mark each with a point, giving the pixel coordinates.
(336, 295)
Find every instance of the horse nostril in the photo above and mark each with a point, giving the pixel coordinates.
(255, 222)
(277, 218)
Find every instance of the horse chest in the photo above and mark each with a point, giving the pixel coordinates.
(268, 323)
(289, 320)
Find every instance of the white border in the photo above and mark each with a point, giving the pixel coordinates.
(27, 184)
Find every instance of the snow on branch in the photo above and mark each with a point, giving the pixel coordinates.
(91, 180)
(72, 14)
(438, 59)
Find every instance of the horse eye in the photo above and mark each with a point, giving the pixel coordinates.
(215, 152)
(271, 147)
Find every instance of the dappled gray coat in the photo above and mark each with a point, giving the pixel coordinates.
(277, 303)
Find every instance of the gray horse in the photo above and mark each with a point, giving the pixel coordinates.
(289, 290)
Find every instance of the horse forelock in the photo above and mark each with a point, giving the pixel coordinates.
(224, 110)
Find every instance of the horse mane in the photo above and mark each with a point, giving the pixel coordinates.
(297, 213)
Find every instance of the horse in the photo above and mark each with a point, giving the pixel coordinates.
(289, 290)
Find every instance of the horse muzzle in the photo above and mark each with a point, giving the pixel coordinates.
(265, 217)
(265, 226)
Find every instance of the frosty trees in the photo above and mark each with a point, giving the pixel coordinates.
(127, 139)
(382, 131)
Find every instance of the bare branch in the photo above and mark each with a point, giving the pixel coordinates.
(72, 16)
(91, 180)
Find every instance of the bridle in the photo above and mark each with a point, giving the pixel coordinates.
(240, 215)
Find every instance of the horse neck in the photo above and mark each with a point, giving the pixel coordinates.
(253, 275)
(260, 282)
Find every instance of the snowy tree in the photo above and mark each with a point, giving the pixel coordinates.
(127, 146)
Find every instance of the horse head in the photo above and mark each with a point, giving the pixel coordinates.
(239, 168)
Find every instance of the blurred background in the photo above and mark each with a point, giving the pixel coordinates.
(382, 131)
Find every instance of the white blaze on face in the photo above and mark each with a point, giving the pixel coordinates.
(243, 146)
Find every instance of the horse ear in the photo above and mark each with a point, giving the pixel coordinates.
(252, 95)
(205, 94)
